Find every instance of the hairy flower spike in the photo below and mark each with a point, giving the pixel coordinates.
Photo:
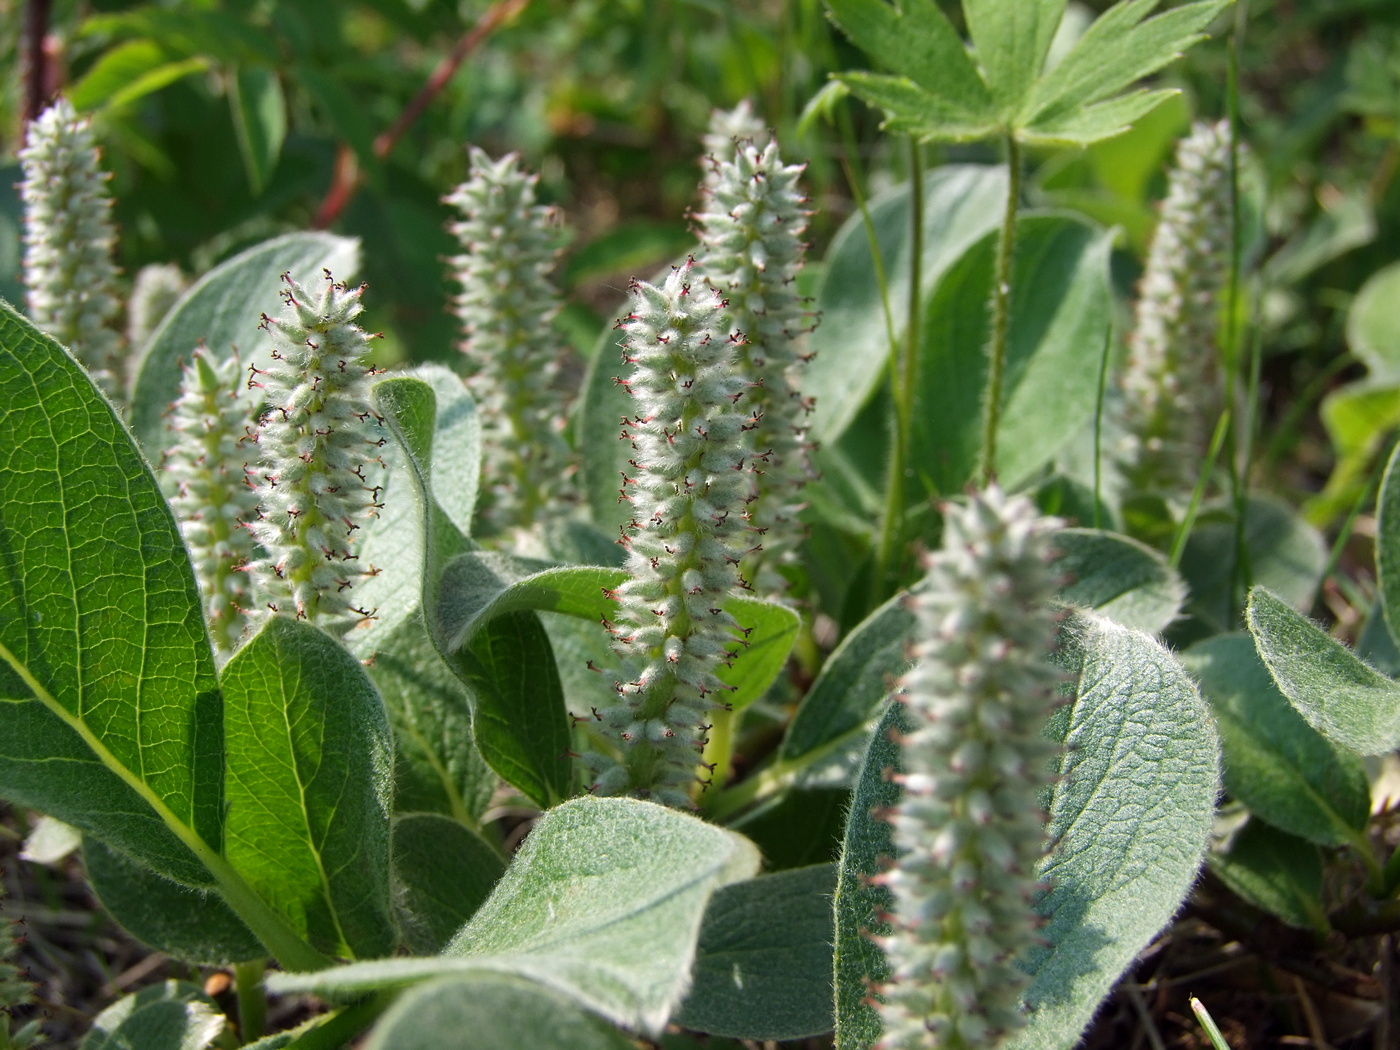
(68, 240)
(212, 499)
(729, 128)
(15, 994)
(507, 306)
(319, 472)
(1171, 386)
(968, 828)
(752, 229)
(684, 498)
(154, 291)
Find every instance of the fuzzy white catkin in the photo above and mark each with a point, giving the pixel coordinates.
(684, 497)
(1171, 385)
(154, 291)
(728, 129)
(507, 306)
(319, 473)
(69, 275)
(751, 230)
(968, 828)
(212, 419)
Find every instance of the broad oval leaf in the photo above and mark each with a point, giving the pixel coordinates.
(1344, 699)
(1274, 871)
(1129, 818)
(961, 204)
(309, 786)
(763, 967)
(1275, 763)
(1373, 323)
(110, 717)
(192, 925)
(1061, 309)
(172, 1015)
(1119, 578)
(443, 873)
(853, 681)
(603, 903)
(494, 1010)
(223, 310)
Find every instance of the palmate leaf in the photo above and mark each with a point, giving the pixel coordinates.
(937, 94)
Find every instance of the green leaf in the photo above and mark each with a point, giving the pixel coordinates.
(763, 966)
(1388, 544)
(1061, 308)
(172, 1015)
(443, 874)
(492, 1010)
(110, 718)
(853, 681)
(437, 765)
(1286, 554)
(1097, 122)
(1120, 578)
(308, 794)
(223, 309)
(220, 35)
(259, 121)
(1275, 763)
(603, 903)
(109, 711)
(128, 72)
(347, 116)
(1346, 701)
(910, 110)
(1129, 818)
(195, 926)
(961, 204)
(1276, 872)
(1120, 48)
(1011, 41)
(917, 41)
(1373, 323)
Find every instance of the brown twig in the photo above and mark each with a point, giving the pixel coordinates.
(36, 59)
(346, 179)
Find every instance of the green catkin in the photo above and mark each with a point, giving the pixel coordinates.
(154, 291)
(728, 129)
(751, 229)
(685, 500)
(318, 474)
(15, 994)
(211, 419)
(69, 275)
(968, 829)
(507, 307)
(1171, 385)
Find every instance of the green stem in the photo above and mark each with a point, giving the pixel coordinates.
(1222, 427)
(903, 362)
(1001, 312)
(252, 999)
(719, 752)
(269, 927)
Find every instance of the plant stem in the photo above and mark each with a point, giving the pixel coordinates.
(1001, 312)
(1222, 427)
(252, 999)
(903, 361)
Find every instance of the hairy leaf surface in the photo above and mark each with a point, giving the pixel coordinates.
(1118, 577)
(603, 903)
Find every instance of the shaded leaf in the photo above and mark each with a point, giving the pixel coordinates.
(1388, 544)
(128, 72)
(1061, 308)
(763, 965)
(1276, 872)
(259, 121)
(443, 873)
